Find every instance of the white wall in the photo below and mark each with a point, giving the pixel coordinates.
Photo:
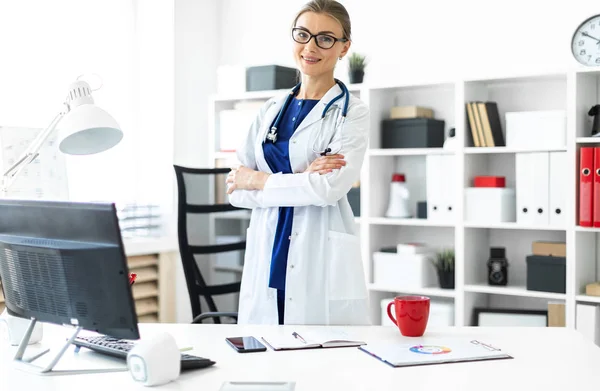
(417, 40)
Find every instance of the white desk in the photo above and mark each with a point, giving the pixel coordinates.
(545, 359)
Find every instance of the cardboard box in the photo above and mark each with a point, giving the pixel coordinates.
(555, 249)
(410, 112)
(556, 315)
(593, 289)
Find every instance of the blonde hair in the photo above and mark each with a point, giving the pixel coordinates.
(331, 8)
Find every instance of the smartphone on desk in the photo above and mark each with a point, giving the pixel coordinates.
(246, 344)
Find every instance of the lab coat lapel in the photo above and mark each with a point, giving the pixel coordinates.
(315, 114)
(268, 119)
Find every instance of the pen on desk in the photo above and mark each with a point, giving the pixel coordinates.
(185, 349)
(298, 336)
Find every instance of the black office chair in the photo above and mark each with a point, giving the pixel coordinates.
(191, 183)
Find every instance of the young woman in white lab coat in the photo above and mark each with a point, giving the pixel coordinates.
(303, 260)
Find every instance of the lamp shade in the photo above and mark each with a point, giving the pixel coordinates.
(87, 129)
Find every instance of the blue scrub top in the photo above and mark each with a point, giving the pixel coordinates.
(278, 158)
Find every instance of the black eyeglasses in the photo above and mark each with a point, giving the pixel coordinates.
(324, 41)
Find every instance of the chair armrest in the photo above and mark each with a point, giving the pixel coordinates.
(208, 315)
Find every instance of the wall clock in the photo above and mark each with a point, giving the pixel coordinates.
(585, 44)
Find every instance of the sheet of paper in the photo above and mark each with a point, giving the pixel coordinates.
(431, 351)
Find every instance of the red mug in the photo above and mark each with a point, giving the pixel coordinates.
(412, 314)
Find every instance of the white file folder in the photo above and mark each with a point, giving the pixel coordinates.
(447, 169)
(435, 185)
(557, 189)
(532, 169)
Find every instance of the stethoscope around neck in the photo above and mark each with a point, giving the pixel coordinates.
(272, 134)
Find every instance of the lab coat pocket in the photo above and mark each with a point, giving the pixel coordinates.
(346, 276)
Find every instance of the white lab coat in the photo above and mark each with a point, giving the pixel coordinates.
(325, 281)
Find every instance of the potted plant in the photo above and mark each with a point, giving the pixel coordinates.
(444, 265)
(357, 63)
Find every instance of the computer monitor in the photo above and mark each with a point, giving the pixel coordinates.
(64, 263)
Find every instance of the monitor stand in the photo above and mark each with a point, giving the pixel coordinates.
(26, 364)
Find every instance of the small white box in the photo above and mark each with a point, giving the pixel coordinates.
(441, 313)
(490, 205)
(404, 271)
(588, 318)
(536, 129)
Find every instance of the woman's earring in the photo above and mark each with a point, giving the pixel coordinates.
(340, 58)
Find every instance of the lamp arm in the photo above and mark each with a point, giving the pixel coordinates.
(30, 154)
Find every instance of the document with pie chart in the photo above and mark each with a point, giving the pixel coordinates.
(426, 351)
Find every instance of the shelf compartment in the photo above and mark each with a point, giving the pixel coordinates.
(527, 93)
(439, 97)
(518, 245)
(430, 291)
(513, 290)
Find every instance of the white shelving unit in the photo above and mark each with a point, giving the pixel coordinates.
(573, 90)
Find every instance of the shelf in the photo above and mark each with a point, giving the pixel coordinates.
(516, 226)
(494, 150)
(588, 140)
(433, 291)
(586, 229)
(588, 299)
(408, 151)
(409, 222)
(513, 291)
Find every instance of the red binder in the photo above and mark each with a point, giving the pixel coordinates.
(586, 186)
(596, 191)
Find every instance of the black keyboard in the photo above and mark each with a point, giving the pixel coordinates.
(119, 348)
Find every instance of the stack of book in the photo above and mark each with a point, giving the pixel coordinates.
(484, 124)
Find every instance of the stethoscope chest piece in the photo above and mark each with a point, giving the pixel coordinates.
(272, 133)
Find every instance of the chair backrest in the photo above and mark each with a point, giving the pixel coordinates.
(192, 187)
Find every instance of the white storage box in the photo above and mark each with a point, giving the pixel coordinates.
(441, 313)
(536, 129)
(404, 271)
(490, 205)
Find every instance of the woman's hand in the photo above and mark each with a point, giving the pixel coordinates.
(244, 178)
(326, 164)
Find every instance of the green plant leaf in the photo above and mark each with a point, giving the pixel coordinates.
(357, 62)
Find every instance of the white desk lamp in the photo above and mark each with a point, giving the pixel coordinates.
(86, 129)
